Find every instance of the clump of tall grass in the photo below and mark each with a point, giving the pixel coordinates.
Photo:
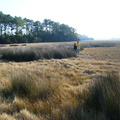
(26, 115)
(102, 100)
(27, 53)
(30, 85)
(5, 116)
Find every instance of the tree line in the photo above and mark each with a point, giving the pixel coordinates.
(18, 30)
(23, 30)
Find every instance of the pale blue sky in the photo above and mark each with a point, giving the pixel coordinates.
(94, 18)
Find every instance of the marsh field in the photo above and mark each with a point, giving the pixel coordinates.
(49, 81)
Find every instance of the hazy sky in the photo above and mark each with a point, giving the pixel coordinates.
(94, 18)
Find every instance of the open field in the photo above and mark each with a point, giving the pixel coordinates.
(57, 83)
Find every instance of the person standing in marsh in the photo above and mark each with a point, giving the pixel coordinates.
(75, 46)
(78, 47)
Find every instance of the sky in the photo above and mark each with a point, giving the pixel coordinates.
(99, 19)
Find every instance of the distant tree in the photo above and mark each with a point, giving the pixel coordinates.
(1, 22)
(67, 33)
(28, 25)
(47, 25)
(84, 37)
(37, 28)
(18, 23)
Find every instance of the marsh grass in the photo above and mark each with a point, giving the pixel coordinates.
(55, 90)
(27, 53)
(24, 84)
(49, 97)
(30, 53)
(102, 99)
(98, 44)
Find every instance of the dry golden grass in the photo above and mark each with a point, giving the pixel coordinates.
(71, 76)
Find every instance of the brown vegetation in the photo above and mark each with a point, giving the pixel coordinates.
(59, 89)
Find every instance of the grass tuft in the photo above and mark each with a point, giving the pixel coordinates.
(104, 96)
(24, 84)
